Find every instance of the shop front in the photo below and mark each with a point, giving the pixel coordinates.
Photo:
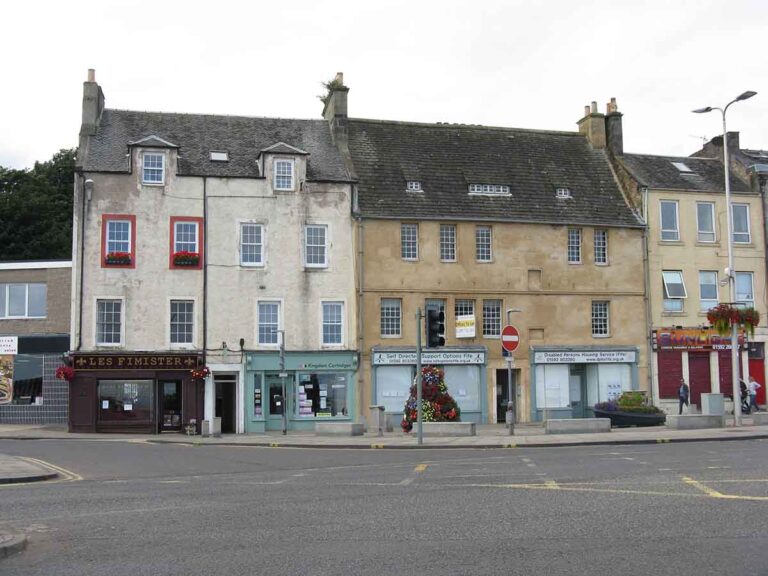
(568, 381)
(703, 358)
(394, 370)
(299, 389)
(141, 393)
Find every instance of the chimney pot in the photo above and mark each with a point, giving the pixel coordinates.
(91, 75)
(594, 107)
(340, 78)
(586, 110)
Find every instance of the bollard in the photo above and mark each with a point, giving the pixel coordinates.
(510, 417)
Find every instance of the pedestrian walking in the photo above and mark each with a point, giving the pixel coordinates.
(753, 387)
(683, 393)
(744, 397)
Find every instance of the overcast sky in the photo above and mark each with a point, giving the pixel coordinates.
(522, 64)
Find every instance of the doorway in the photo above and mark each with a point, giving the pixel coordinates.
(504, 392)
(277, 404)
(170, 405)
(226, 386)
(698, 376)
(578, 390)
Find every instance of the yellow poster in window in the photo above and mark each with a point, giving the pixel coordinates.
(6, 379)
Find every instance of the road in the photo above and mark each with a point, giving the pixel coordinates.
(142, 508)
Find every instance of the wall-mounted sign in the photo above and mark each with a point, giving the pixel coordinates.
(465, 326)
(584, 356)
(446, 357)
(692, 339)
(137, 362)
(9, 344)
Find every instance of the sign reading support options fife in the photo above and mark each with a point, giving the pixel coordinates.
(584, 357)
(429, 358)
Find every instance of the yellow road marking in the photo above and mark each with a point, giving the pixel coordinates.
(377, 446)
(274, 445)
(510, 445)
(551, 484)
(699, 486)
(68, 475)
(421, 468)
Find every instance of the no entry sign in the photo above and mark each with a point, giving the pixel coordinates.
(510, 338)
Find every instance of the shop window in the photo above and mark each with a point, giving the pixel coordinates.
(118, 241)
(125, 401)
(607, 382)
(322, 395)
(674, 290)
(552, 386)
(463, 382)
(21, 379)
(393, 384)
(23, 300)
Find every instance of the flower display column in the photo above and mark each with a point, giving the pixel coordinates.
(437, 404)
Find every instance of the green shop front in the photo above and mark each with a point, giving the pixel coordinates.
(303, 387)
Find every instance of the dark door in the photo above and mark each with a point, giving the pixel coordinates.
(503, 394)
(225, 401)
(698, 371)
(170, 405)
(277, 403)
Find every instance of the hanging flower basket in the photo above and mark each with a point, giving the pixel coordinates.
(186, 258)
(200, 373)
(723, 316)
(65, 373)
(118, 258)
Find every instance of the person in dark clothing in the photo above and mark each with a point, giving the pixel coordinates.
(683, 393)
(745, 408)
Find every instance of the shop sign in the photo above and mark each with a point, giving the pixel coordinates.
(6, 379)
(134, 362)
(9, 344)
(585, 357)
(327, 365)
(692, 339)
(402, 358)
(465, 326)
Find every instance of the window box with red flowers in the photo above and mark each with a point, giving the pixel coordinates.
(185, 258)
(118, 258)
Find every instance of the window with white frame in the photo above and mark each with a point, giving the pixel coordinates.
(464, 308)
(483, 244)
(182, 321)
(741, 233)
(315, 247)
(269, 323)
(118, 236)
(409, 241)
(669, 223)
(574, 245)
(448, 242)
(601, 246)
(109, 322)
(391, 314)
(705, 221)
(489, 189)
(152, 168)
(283, 174)
(185, 236)
(745, 294)
(333, 323)
(600, 318)
(251, 244)
(413, 186)
(491, 318)
(708, 290)
(23, 300)
(674, 290)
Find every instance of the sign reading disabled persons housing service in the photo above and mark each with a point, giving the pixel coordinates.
(585, 356)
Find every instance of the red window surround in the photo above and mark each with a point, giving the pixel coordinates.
(171, 248)
(106, 218)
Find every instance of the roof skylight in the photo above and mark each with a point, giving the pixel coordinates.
(682, 167)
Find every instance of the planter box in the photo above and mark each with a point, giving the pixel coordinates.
(621, 419)
(338, 429)
(760, 418)
(446, 428)
(695, 421)
(577, 425)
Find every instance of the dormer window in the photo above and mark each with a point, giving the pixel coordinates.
(682, 168)
(219, 156)
(563, 193)
(153, 168)
(283, 174)
(489, 189)
(413, 186)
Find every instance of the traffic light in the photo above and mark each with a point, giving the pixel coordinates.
(435, 328)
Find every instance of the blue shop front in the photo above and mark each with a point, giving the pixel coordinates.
(308, 387)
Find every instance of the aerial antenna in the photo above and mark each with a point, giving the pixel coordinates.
(703, 139)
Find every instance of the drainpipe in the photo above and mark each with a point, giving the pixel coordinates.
(360, 251)
(647, 297)
(205, 297)
(81, 241)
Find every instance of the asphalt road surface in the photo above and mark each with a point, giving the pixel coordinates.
(142, 508)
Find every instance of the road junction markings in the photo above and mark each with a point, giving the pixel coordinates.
(64, 474)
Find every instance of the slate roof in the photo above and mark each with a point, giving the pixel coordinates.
(659, 172)
(446, 158)
(196, 135)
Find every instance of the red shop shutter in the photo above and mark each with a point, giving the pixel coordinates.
(670, 372)
(724, 359)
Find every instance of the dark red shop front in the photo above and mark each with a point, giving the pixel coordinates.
(140, 393)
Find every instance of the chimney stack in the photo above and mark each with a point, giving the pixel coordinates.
(593, 126)
(335, 110)
(613, 129)
(93, 106)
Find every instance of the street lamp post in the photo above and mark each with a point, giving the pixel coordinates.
(730, 271)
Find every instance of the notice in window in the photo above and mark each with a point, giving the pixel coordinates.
(105, 404)
(127, 407)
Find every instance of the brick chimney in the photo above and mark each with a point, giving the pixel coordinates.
(593, 126)
(93, 106)
(614, 132)
(335, 110)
